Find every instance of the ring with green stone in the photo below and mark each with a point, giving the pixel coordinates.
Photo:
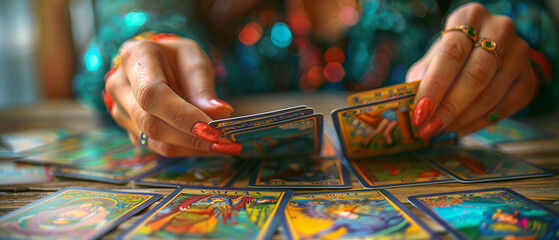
(490, 46)
(493, 117)
(468, 30)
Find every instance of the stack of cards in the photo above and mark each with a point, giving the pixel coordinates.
(377, 122)
(497, 213)
(12, 144)
(290, 131)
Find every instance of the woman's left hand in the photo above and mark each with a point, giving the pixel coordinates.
(466, 87)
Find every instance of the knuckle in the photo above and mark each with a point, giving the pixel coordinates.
(506, 24)
(477, 74)
(149, 125)
(449, 108)
(437, 84)
(179, 118)
(452, 51)
(146, 92)
(476, 7)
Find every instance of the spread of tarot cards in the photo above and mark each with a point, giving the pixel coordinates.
(288, 177)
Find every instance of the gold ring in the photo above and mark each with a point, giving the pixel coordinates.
(490, 46)
(493, 116)
(468, 30)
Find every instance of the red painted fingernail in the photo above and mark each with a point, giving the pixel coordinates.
(228, 148)
(219, 103)
(206, 132)
(109, 103)
(109, 73)
(422, 111)
(430, 128)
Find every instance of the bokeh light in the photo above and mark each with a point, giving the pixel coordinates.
(334, 54)
(92, 59)
(334, 72)
(315, 76)
(135, 19)
(281, 35)
(349, 16)
(250, 34)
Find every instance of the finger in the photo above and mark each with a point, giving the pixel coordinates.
(448, 58)
(197, 80)
(417, 71)
(165, 149)
(476, 75)
(149, 85)
(515, 99)
(487, 101)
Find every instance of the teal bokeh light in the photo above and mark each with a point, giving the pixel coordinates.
(135, 19)
(93, 59)
(281, 35)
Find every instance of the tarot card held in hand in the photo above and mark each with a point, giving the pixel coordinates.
(18, 173)
(208, 171)
(290, 131)
(67, 151)
(397, 170)
(213, 213)
(497, 213)
(478, 165)
(73, 213)
(16, 142)
(300, 172)
(119, 167)
(362, 214)
(508, 130)
(377, 128)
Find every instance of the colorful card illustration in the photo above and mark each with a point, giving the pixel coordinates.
(377, 128)
(213, 213)
(497, 213)
(12, 173)
(508, 130)
(300, 172)
(68, 151)
(208, 171)
(362, 214)
(119, 167)
(478, 165)
(74, 213)
(260, 121)
(228, 121)
(395, 91)
(297, 136)
(17, 142)
(396, 171)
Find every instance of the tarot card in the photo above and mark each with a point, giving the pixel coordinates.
(213, 213)
(509, 130)
(12, 173)
(297, 136)
(362, 214)
(208, 171)
(377, 128)
(479, 165)
(68, 151)
(74, 213)
(227, 121)
(17, 142)
(497, 213)
(394, 91)
(118, 167)
(300, 172)
(261, 121)
(397, 170)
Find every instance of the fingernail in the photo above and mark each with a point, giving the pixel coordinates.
(228, 148)
(219, 103)
(206, 132)
(422, 111)
(430, 128)
(109, 73)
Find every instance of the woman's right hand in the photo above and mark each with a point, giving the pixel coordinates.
(165, 89)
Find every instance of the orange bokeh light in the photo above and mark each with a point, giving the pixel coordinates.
(251, 33)
(334, 54)
(334, 72)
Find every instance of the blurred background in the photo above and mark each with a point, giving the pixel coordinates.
(43, 42)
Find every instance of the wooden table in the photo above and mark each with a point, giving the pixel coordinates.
(69, 114)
